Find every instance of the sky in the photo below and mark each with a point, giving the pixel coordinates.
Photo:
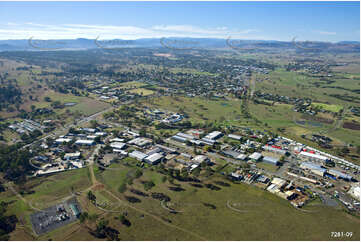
(312, 21)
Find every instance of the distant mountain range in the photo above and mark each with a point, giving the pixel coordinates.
(173, 43)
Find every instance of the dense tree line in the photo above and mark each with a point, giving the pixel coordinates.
(9, 94)
(14, 162)
(7, 223)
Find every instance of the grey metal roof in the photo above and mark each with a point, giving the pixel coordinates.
(313, 166)
(339, 174)
(271, 159)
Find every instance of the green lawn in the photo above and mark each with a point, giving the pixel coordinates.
(262, 210)
(142, 91)
(329, 107)
(58, 186)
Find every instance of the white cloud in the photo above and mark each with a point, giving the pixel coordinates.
(72, 31)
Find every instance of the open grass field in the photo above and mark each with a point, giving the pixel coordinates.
(329, 107)
(255, 216)
(84, 105)
(142, 91)
(296, 84)
(191, 71)
(58, 186)
(350, 68)
(131, 85)
(266, 166)
(200, 109)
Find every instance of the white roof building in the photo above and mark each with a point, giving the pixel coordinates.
(241, 157)
(186, 136)
(118, 145)
(234, 136)
(77, 164)
(91, 136)
(278, 182)
(122, 152)
(208, 141)
(255, 156)
(153, 150)
(154, 158)
(140, 141)
(213, 135)
(135, 134)
(193, 166)
(314, 168)
(62, 140)
(84, 142)
(313, 156)
(355, 191)
(137, 155)
(101, 133)
(200, 158)
(70, 156)
(116, 140)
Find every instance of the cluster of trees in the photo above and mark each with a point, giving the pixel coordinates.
(9, 94)
(102, 229)
(148, 185)
(14, 162)
(64, 86)
(7, 223)
(28, 138)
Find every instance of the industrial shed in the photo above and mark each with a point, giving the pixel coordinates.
(314, 157)
(255, 156)
(208, 141)
(118, 145)
(314, 168)
(179, 138)
(85, 142)
(201, 158)
(234, 136)
(154, 158)
(186, 136)
(116, 140)
(214, 135)
(72, 156)
(273, 149)
(271, 160)
(138, 155)
(339, 174)
(62, 140)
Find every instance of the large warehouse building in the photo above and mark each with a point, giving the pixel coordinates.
(313, 157)
(314, 168)
(271, 160)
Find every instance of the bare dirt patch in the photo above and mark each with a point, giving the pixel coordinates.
(351, 125)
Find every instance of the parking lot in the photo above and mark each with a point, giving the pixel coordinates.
(55, 216)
